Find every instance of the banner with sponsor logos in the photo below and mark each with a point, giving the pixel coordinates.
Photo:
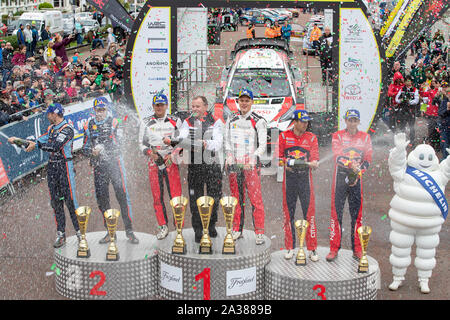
(360, 71)
(150, 66)
(115, 11)
(18, 163)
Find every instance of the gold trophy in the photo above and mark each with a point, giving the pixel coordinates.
(301, 226)
(83, 214)
(179, 207)
(205, 206)
(112, 218)
(228, 207)
(364, 234)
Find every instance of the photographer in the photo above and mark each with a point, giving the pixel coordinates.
(408, 106)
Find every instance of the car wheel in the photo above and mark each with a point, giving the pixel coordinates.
(304, 53)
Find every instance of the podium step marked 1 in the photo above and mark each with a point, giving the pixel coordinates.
(213, 276)
(321, 280)
(134, 276)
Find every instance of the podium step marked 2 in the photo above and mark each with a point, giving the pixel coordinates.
(215, 276)
(336, 280)
(134, 276)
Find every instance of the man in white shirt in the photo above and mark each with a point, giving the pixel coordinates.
(161, 166)
(245, 143)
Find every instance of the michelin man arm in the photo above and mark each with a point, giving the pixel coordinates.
(397, 157)
(445, 167)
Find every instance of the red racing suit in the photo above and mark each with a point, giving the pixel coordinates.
(246, 141)
(151, 133)
(298, 183)
(346, 148)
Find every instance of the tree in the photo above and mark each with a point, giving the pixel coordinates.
(45, 5)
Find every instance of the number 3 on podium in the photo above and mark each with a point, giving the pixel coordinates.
(322, 291)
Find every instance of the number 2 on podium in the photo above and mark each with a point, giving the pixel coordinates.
(206, 276)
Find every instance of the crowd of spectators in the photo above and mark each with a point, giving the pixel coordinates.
(422, 91)
(30, 83)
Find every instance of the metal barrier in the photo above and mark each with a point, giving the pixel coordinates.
(328, 86)
(196, 68)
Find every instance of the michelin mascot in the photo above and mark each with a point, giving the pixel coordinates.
(418, 209)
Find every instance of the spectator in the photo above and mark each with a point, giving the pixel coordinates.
(425, 56)
(79, 31)
(314, 37)
(6, 113)
(325, 53)
(35, 36)
(49, 53)
(408, 100)
(418, 73)
(111, 38)
(251, 31)
(20, 36)
(444, 117)
(286, 32)
(45, 33)
(60, 46)
(28, 40)
(48, 97)
(393, 89)
(60, 93)
(2, 46)
(431, 113)
(96, 40)
(7, 54)
(72, 90)
(20, 57)
(277, 30)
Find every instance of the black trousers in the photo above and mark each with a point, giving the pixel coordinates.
(200, 175)
(61, 185)
(107, 172)
(401, 118)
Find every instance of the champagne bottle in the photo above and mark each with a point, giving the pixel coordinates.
(297, 164)
(21, 143)
(159, 161)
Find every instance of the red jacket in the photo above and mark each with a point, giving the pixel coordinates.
(347, 147)
(432, 110)
(395, 88)
(304, 147)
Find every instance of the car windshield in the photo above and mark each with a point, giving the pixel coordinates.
(30, 21)
(262, 82)
(88, 23)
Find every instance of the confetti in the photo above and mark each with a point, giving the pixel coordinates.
(383, 217)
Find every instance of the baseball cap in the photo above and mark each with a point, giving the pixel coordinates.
(100, 100)
(160, 98)
(55, 108)
(301, 115)
(247, 93)
(352, 113)
(102, 105)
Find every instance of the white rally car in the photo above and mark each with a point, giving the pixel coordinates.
(262, 66)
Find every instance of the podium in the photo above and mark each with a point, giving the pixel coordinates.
(194, 276)
(134, 276)
(321, 280)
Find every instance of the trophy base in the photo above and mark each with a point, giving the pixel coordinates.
(363, 269)
(229, 250)
(227, 272)
(112, 257)
(135, 276)
(321, 280)
(205, 250)
(300, 262)
(83, 254)
(179, 250)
